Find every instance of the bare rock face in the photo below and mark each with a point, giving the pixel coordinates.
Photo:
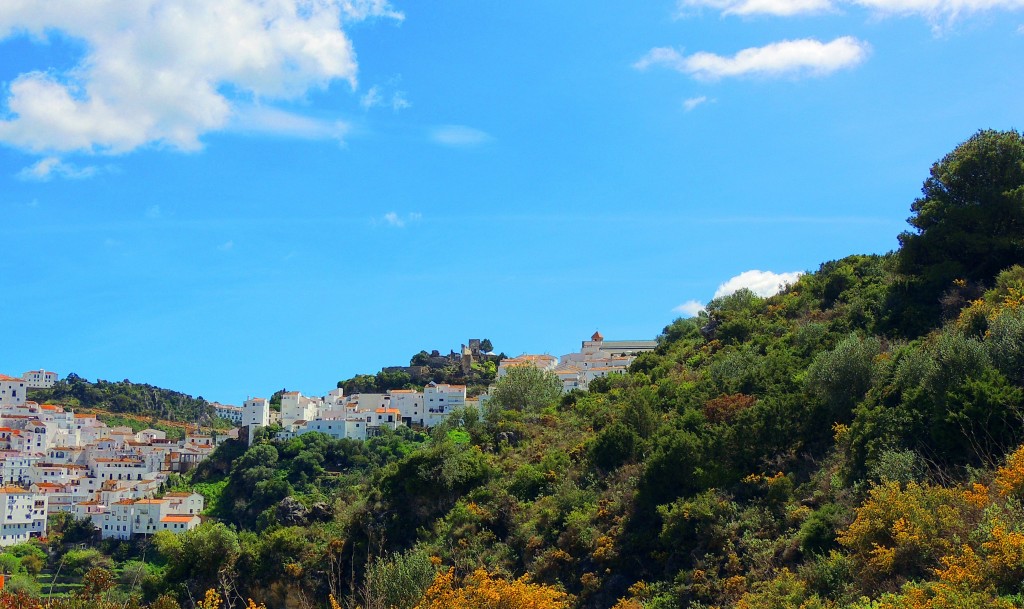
(509, 436)
(290, 512)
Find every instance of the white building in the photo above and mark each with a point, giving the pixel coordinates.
(61, 497)
(146, 516)
(185, 503)
(118, 468)
(89, 429)
(146, 436)
(116, 521)
(24, 515)
(382, 417)
(33, 437)
(409, 404)
(235, 414)
(179, 523)
(40, 379)
(442, 398)
(334, 397)
(130, 518)
(571, 378)
(297, 407)
(542, 362)
(366, 401)
(15, 468)
(353, 427)
(598, 358)
(12, 390)
(256, 413)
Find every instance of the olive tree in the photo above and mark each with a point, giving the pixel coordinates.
(526, 388)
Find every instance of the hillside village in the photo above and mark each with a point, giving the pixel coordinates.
(55, 460)
(363, 415)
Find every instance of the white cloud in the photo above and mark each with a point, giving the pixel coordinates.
(360, 10)
(153, 212)
(690, 104)
(805, 57)
(690, 308)
(52, 167)
(375, 97)
(372, 98)
(762, 283)
(167, 71)
(399, 101)
(936, 9)
(459, 136)
(782, 8)
(273, 121)
(933, 10)
(395, 220)
(227, 246)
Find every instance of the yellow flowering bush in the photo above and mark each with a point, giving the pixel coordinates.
(483, 590)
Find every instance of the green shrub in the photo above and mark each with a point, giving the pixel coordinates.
(818, 533)
(80, 562)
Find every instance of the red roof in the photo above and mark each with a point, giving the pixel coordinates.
(177, 518)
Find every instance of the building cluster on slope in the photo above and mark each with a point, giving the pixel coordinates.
(358, 416)
(54, 460)
(363, 415)
(596, 358)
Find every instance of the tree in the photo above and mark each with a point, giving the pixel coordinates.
(96, 582)
(200, 556)
(838, 379)
(70, 529)
(360, 383)
(486, 346)
(392, 380)
(526, 388)
(969, 223)
(398, 581)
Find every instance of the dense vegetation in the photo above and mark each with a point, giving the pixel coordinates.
(125, 397)
(852, 442)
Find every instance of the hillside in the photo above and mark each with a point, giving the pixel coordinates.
(851, 442)
(125, 397)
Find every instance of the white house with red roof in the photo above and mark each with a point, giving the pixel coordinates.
(130, 518)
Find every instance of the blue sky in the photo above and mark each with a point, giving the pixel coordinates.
(230, 198)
